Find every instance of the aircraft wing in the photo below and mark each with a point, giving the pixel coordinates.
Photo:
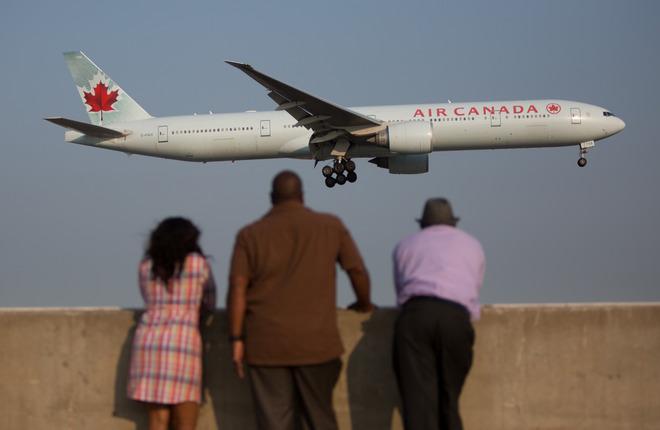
(321, 116)
(86, 128)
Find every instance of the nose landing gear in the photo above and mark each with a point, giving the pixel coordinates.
(342, 171)
(584, 148)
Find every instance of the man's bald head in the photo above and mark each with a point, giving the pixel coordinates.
(286, 186)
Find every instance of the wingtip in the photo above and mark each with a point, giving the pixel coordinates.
(238, 64)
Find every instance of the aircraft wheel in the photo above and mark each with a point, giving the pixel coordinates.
(327, 171)
(339, 168)
(351, 177)
(582, 162)
(341, 179)
(350, 165)
(330, 182)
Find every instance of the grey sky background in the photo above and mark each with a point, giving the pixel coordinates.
(74, 219)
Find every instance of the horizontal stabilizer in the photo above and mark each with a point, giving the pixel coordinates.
(86, 128)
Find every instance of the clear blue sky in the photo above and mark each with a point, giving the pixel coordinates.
(74, 219)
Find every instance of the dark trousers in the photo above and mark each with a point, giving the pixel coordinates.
(433, 341)
(295, 397)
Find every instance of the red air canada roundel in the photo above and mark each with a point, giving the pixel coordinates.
(100, 100)
(553, 108)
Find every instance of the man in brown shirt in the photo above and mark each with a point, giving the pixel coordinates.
(282, 308)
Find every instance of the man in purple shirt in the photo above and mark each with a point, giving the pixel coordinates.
(438, 272)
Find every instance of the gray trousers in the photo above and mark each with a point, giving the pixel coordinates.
(433, 341)
(295, 397)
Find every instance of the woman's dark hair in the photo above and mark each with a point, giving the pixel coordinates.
(170, 242)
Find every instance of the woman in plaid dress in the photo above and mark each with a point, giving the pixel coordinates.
(166, 362)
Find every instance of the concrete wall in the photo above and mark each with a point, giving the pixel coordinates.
(536, 367)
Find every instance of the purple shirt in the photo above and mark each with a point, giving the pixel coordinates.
(440, 261)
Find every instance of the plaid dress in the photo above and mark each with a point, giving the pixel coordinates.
(166, 359)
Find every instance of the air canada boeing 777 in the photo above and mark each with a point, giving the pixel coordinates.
(397, 138)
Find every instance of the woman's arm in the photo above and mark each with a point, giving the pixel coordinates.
(209, 290)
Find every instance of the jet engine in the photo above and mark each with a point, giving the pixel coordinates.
(412, 137)
(403, 164)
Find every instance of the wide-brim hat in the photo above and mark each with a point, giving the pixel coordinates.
(437, 211)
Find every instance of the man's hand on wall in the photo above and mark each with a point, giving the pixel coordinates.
(362, 307)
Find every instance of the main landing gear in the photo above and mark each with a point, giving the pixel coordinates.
(342, 171)
(584, 148)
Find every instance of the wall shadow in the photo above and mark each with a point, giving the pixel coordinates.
(226, 399)
(372, 390)
(123, 406)
(227, 402)
(224, 395)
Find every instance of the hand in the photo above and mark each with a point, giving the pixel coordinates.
(362, 307)
(238, 356)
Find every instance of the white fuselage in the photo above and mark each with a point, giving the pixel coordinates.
(271, 134)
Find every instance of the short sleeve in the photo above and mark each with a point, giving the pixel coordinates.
(240, 261)
(482, 267)
(395, 269)
(144, 276)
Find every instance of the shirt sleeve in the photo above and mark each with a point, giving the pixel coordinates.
(482, 269)
(240, 260)
(396, 271)
(349, 257)
(144, 275)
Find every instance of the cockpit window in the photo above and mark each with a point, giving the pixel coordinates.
(606, 113)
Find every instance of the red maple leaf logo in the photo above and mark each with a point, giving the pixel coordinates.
(553, 108)
(101, 100)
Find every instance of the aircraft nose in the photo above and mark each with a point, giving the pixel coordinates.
(620, 125)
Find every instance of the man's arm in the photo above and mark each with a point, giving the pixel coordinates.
(239, 280)
(362, 288)
(236, 305)
(350, 260)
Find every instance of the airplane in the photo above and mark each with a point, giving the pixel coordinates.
(303, 126)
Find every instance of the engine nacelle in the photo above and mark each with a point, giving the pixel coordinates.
(404, 164)
(412, 137)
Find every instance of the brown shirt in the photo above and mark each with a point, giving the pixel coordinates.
(289, 258)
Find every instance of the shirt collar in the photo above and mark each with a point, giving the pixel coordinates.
(286, 206)
(439, 227)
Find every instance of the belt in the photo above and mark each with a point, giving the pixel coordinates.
(451, 303)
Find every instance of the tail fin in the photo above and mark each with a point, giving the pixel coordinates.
(103, 99)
